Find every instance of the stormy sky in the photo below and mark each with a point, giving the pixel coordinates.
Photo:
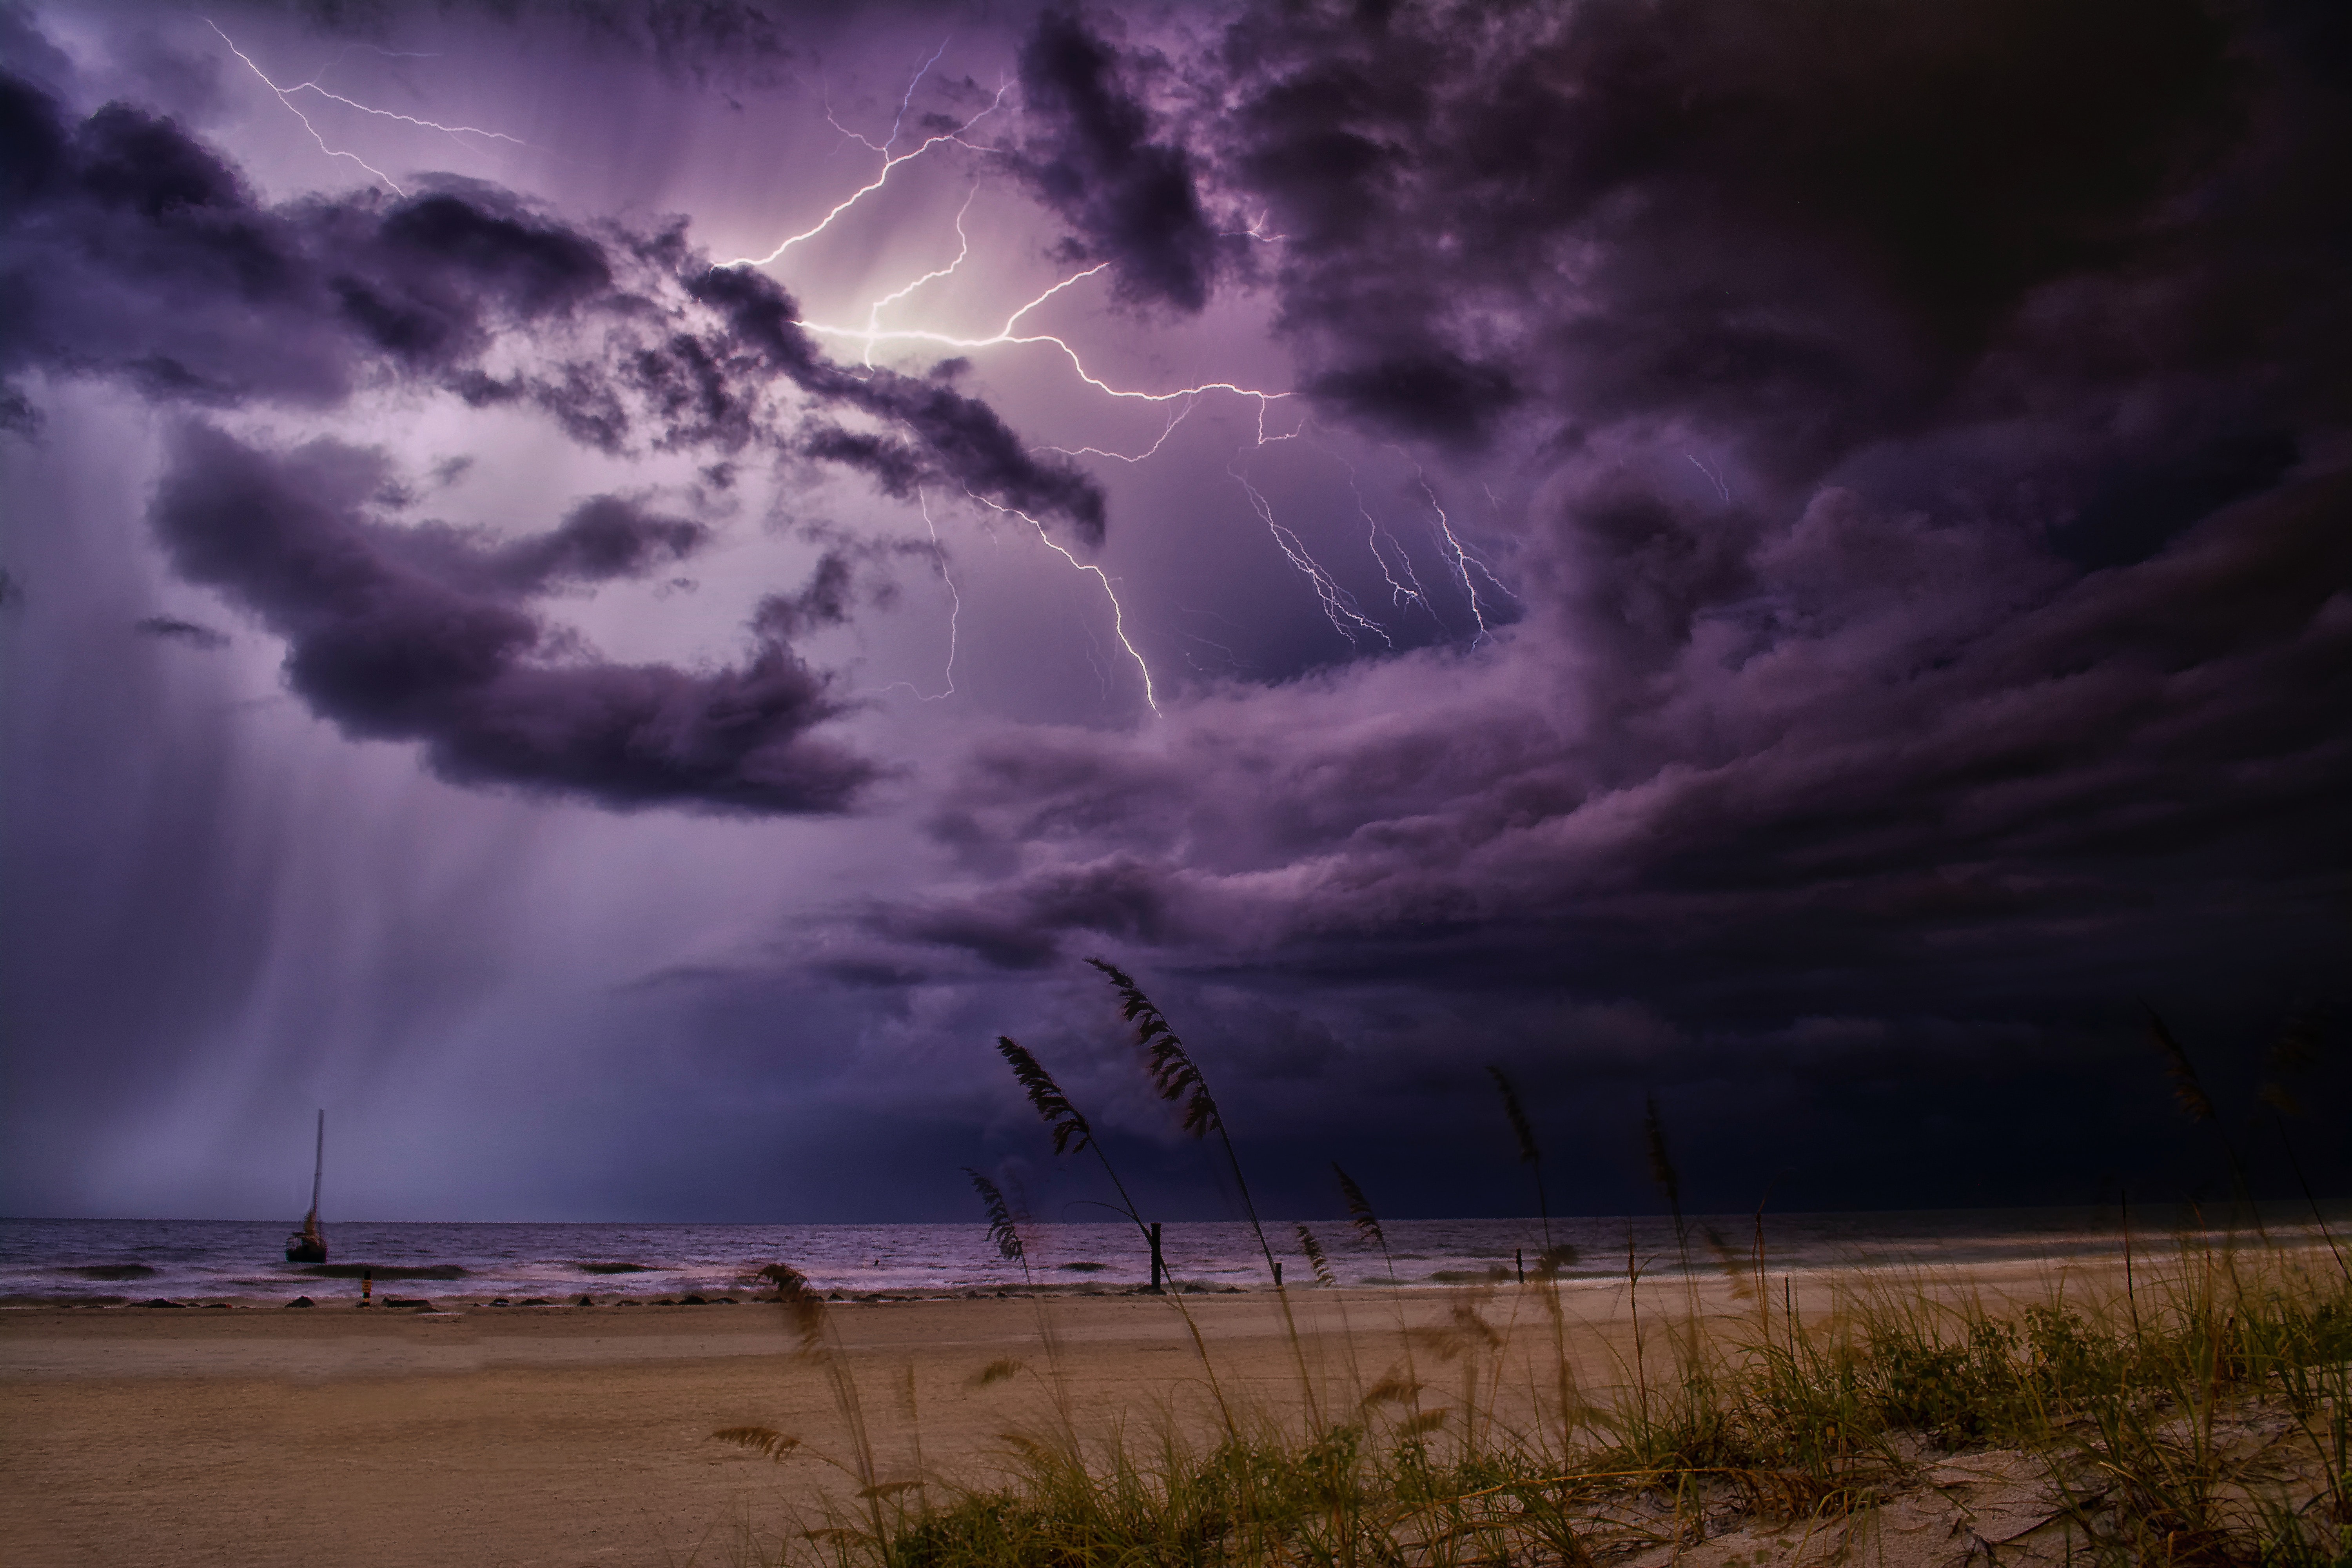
(611, 592)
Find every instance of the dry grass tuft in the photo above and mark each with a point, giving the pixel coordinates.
(766, 1440)
(997, 1370)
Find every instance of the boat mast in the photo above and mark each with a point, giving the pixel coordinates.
(318, 1168)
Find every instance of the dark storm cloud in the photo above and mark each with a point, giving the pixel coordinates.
(1893, 738)
(1937, 609)
(957, 437)
(1093, 160)
(129, 250)
(1802, 226)
(170, 629)
(133, 250)
(1021, 923)
(602, 537)
(402, 633)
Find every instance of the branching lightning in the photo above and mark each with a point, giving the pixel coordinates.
(890, 161)
(1182, 412)
(1339, 606)
(1010, 336)
(955, 600)
(285, 96)
(1346, 615)
(964, 250)
(1462, 558)
(1117, 613)
(1399, 594)
(1720, 488)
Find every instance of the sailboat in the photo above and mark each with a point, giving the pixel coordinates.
(308, 1244)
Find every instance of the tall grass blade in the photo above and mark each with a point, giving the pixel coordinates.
(1359, 1212)
(1520, 1127)
(1314, 1250)
(2188, 1092)
(1662, 1160)
(1004, 1229)
(801, 1301)
(759, 1439)
(1174, 1076)
(1524, 1131)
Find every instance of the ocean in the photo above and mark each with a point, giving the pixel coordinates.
(58, 1262)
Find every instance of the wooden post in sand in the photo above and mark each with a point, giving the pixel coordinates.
(1158, 1268)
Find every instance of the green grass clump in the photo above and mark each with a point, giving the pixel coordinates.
(2201, 1424)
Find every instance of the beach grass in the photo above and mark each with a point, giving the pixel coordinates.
(2196, 1417)
(2184, 1408)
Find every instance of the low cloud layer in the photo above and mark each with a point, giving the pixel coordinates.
(416, 634)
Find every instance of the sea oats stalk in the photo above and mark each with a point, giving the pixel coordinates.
(2297, 1048)
(1366, 1226)
(1003, 1233)
(1072, 1134)
(2188, 1093)
(1176, 1078)
(805, 1309)
(1524, 1133)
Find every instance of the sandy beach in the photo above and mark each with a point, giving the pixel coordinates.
(569, 1436)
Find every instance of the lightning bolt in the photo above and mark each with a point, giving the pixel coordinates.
(1117, 613)
(285, 96)
(1340, 609)
(1721, 488)
(1462, 560)
(1339, 606)
(1182, 413)
(1399, 594)
(955, 600)
(1008, 335)
(955, 608)
(1233, 660)
(964, 249)
(889, 161)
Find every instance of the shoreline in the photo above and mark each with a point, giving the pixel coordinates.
(341, 1294)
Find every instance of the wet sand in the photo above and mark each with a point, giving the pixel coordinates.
(571, 1436)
